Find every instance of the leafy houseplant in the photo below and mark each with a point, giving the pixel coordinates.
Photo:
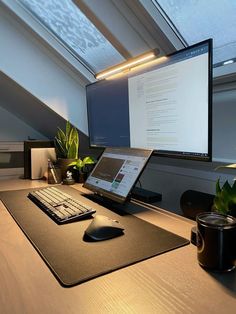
(81, 168)
(225, 199)
(67, 150)
(67, 147)
(67, 143)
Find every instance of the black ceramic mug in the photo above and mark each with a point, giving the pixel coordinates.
(216, 241)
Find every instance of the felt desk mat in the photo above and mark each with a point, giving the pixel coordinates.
(73, 260)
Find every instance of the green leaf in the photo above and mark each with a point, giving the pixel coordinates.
(225, 198)
(79, 164)
(77, 142)
(234, 187)
(73, 163)
(226, 187)
(61, 135)
(60, 148)
(88, 160)
(68, 129)
(67, 143)
(218, 189)
(70, 137)
(220, 205)
(72, 151)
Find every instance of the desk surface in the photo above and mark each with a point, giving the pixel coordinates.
(169, 283)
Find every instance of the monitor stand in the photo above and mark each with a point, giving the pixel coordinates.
(108, 203)
(145, 195)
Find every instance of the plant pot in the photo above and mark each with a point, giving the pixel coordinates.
(80, 177)
(232, 210)
(63, 164)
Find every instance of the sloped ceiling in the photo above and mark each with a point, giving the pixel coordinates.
(33, 112)
(26, 107)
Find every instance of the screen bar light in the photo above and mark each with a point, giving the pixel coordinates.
(128, 64)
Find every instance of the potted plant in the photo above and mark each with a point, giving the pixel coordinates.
(225, 199)
(81, 168)
(67, 147)
(67, 143)
(67, 150)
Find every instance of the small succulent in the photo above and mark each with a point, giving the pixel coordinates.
(225, 199)
(67, 143)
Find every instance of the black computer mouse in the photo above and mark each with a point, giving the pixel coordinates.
(103, 228)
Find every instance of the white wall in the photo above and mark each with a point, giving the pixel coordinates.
(24, 59)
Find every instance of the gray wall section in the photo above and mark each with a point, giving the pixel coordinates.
(15, 129)
(173, 178)
(224, 126)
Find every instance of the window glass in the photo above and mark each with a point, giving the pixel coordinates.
(74, 29)
(197, 20)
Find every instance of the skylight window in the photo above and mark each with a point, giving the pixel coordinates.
(72, 27)
(201, 19)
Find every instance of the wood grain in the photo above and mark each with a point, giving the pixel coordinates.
(169, 283)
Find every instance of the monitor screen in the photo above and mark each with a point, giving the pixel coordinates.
(165, 107)
(117, 171)
(108, 113)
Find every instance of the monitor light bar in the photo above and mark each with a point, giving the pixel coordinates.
(128, 64)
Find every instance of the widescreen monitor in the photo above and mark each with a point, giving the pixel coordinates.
(166, 107)
(116, 172)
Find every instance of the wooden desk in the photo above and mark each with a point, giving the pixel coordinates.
(169, 283)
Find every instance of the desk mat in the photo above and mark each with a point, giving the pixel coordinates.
(70, 258)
